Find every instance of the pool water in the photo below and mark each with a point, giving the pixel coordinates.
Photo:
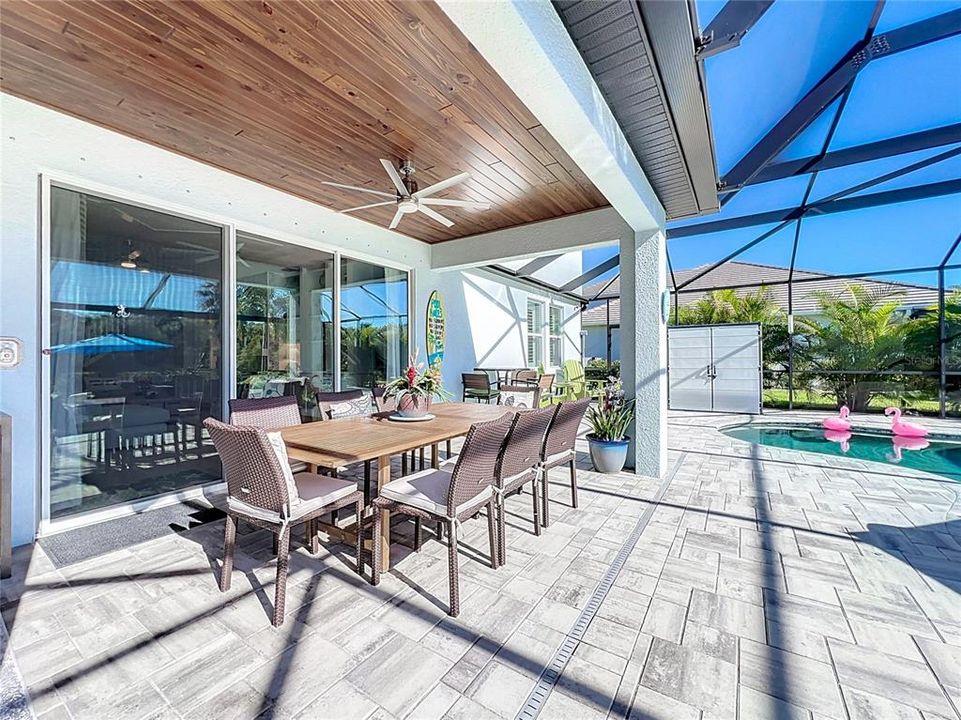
(939, 457)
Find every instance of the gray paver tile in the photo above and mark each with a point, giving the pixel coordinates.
(888, 676)
(691, 677)
(377, 676)
(793, 678)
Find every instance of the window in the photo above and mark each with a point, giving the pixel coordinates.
(556, 335)
(535, 333)
(373, 323)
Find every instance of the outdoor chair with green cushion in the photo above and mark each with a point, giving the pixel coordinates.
(477, 386)
(576, 386)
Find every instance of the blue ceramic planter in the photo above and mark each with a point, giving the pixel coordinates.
(608, 456)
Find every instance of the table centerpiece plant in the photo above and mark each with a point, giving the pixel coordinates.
(609, 420)
(414, 390)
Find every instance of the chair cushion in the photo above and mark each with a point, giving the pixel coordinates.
(350, 408)
(427, 490)
(280, 450)
(482, 393)
(563, 456)
(316, 491)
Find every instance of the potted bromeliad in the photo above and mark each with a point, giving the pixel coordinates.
(609, 421)
(415, 389)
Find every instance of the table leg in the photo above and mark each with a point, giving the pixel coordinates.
(435, 456)
(383, 477)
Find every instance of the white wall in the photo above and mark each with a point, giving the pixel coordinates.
(494, 332)
(35, 141)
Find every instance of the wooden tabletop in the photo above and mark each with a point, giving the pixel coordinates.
(350, 440)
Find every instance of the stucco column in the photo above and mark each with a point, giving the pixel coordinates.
(644, 348)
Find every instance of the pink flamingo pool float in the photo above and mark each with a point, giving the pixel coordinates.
(840, 423)
(904, 429)
(841, 437)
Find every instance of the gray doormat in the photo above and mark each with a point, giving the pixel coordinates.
(75, 546)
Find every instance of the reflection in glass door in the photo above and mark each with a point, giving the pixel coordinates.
(373, 323)
(285, 331)
(135, 360)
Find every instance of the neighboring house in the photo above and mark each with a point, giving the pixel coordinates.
(605, 309)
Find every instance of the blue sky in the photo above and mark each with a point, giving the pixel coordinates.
(750, 87)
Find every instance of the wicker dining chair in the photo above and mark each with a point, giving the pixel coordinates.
(518, 465)
(524, 376)
(559, 448)
(545, 388)
(260, 492)
(448, 497)
(268, 414)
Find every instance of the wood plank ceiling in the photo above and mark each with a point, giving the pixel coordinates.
(292, 93)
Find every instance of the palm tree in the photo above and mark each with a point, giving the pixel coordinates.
(856, 330)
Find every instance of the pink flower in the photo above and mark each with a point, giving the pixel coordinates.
(411, 374)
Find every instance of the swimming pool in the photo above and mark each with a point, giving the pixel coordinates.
(940, 457)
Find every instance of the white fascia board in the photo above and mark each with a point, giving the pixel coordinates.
(579, 231)
(528, 46)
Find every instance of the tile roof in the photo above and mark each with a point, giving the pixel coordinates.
(755, 275)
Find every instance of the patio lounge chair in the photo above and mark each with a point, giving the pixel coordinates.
(519, 464)
(448, 497)
(576, 386)
(477, 386)
(559, 448)
(264, 493)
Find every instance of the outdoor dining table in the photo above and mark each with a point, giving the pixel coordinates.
(336, 443)
(501, 374)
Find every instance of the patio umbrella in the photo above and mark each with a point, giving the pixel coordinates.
(110, 343)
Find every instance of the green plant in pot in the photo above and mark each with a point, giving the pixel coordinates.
(416, 388)
(609, 421)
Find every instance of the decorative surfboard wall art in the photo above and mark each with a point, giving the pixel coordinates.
(436, 329)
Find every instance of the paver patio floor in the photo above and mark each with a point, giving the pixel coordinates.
(765, 584)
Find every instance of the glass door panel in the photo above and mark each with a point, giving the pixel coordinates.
(285, 330)
(373, 323)
(136, 361)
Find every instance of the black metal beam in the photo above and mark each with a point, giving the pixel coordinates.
(860, 153)
(730, 25)
(824, 207)
(538, 263)
(833, 84)
(594, 272)
(684, 290)
(954, 246)
(604, 289)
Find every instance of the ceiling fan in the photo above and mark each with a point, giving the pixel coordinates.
(409, 199)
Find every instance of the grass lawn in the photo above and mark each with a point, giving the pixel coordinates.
(778, 398)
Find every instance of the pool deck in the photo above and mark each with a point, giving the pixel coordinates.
(757, 583)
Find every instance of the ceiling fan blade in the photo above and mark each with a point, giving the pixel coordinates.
(435, 215)
(395, 177)
(397, 216)
(364, 207)
(456, 203)
(357, 188)
(442, 185)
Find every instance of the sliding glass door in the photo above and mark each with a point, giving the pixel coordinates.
(135, 356)
(285, 325)
(136, 353)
